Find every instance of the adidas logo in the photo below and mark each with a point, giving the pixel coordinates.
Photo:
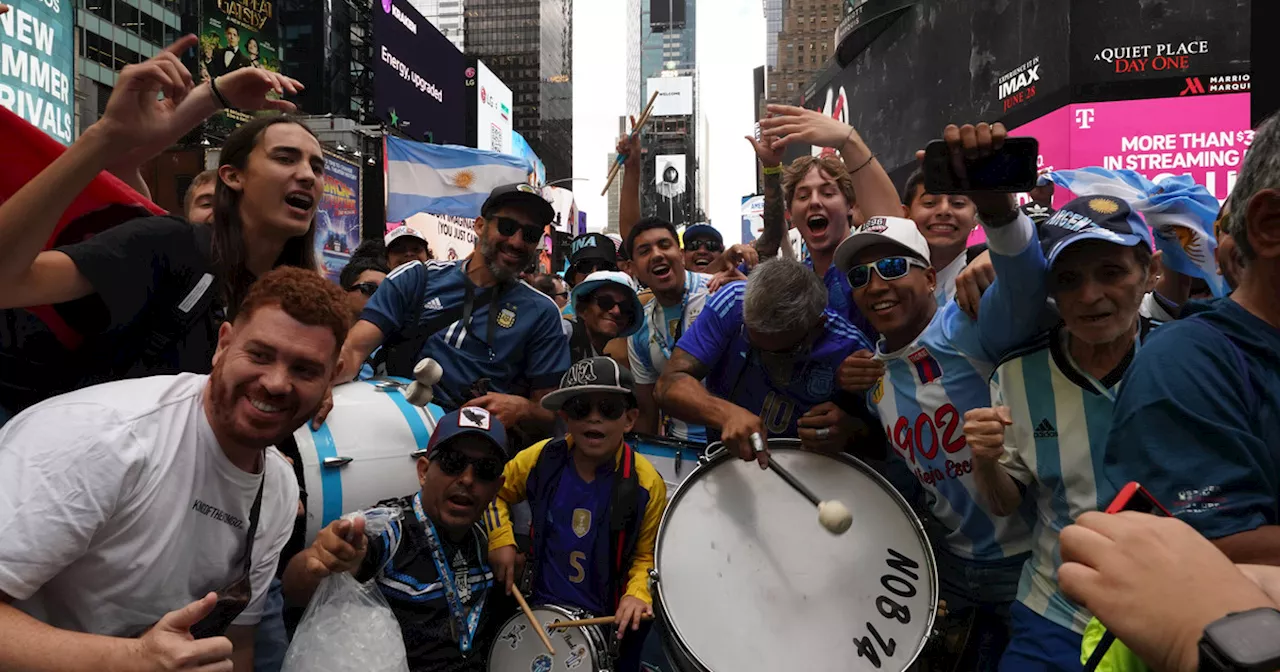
(1045, 430)
(434, 304)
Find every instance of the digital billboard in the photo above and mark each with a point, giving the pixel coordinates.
(338, 216)
(492, 109)
(37, 65)
(236, 34)
(418, 80)
(675, 96)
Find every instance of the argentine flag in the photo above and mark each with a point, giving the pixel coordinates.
(445, 179)
(1179, 211)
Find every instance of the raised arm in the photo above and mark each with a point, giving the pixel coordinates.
(629, 201)
(876, 193)
(775, 222)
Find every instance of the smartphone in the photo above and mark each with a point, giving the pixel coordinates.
(1134, 497)
(1011, 169)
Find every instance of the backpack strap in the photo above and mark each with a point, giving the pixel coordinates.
(400, 352)
(624, 504)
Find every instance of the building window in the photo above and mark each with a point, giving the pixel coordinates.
(791, 86)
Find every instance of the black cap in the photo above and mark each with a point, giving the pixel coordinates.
(593, 246)
(523, 196)
(594, 375)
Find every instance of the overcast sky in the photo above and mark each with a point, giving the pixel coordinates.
(731, 43)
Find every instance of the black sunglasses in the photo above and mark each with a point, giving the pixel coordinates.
(453, 463)
(610, 408)
(366, 288)
(608, 303)
(508, 228)
(704, 244)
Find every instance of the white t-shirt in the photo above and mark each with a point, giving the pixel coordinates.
(945, 291)
(117, 506)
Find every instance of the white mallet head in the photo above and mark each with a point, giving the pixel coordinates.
(427, 371)
(834, 516)
(419, 394)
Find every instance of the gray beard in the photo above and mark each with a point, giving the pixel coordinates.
(489, 254)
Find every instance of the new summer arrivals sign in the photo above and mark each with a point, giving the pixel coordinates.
(37, 64)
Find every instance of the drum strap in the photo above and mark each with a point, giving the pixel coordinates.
(622, 512)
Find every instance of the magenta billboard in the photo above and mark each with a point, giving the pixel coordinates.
(1205, 137)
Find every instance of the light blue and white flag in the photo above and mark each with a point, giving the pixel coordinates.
(1179, 211)
(445, 179)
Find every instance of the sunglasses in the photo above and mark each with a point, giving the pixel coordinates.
(508, 228)
(610, 408)
(702, 244)
(366, 288)
(453, 463)
(608, 303)
(889, 268)
(590, 266)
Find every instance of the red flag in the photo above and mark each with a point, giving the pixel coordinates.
(107, 201)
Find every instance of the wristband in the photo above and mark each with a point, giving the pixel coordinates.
(1001, 219)
(864, 164)
(222, 100)
(772, 170)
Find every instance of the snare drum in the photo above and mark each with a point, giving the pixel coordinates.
(674, 459)
(365, 452)
(746, 579)
(517, 648)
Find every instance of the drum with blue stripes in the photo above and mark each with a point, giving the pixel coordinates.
(674, 459)
(366, 451)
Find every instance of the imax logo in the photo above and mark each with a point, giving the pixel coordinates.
(1019, 82)
(404, 18)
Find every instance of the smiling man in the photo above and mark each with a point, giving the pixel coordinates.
(945, 221)
(476, 318)
(607, 307)
(129, 502)
(703, 246)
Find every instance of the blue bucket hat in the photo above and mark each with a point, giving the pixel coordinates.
(601, 278)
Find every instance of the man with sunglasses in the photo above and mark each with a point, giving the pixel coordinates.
(430, 564)
(606, 307)
(360, 279)
(937, 365)
(583, 554)
(589, 253)
(768, 350)
(476, 318)
(703, 246)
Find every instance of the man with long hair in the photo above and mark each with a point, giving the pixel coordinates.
(147, 294)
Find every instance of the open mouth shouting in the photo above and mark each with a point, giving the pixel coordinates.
(461, 503)
(818, 224)
(702, 260)
(660, 269)
(300, 202)
(593, 435)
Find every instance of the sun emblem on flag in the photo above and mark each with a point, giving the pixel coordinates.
(463, 179)
(1103, 206)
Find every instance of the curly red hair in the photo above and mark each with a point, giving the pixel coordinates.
(303, 295)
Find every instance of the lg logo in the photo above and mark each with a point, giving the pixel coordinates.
(1084, 118)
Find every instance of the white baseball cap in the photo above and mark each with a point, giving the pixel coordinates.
(400, 232)
(893, 230)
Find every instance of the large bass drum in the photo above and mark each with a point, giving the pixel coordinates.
(746, 579)
(365, 452)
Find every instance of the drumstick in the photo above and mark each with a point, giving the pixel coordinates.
(832, 515)
(603, 620)
(528, 613)
(644, 117)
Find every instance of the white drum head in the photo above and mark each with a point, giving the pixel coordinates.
(749, 580)
(517, 648)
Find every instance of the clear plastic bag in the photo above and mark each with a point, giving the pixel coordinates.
(348, 626)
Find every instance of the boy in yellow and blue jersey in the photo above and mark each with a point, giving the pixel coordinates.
(596, 506)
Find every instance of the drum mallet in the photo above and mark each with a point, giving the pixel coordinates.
(832, 514)
(426, 374)
(528, 613)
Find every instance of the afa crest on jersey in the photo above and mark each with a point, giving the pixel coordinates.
(507, 317)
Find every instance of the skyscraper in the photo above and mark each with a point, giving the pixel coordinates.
(801, 47)
(446, 16)
(528, 44)
(671, 49)
(772, 26)
(670, 180)
(635, 81)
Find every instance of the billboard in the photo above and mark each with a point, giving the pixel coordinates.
(37, 65)
(675, 95)
(338, 216)
(418, 76)
(665, 14)
(520, 147)
(752, 217)
(669, 174)
(491, 110)
(1204, 137)
(237, 34)
(448, 237)
(566, 209)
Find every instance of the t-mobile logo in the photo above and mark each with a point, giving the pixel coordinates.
(1084, 118)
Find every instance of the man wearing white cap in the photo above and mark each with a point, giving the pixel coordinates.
(937, 365)
(405, 244)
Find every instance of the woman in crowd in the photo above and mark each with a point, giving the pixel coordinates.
(149, 294)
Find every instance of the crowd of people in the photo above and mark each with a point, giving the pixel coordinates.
(1008, 392)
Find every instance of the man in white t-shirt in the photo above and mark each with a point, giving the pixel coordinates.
(945, 221)
(124, 507)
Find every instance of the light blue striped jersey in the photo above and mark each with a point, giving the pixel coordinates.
(1055, 447)
(650, 348)
(931, 382)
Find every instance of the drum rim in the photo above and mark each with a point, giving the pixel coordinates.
(715, 454)
(601, 647)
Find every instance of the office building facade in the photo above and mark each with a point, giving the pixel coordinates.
(446, 16)
(802, 47)
(528, 44)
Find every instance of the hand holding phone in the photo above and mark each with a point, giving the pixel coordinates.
(981, 162)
